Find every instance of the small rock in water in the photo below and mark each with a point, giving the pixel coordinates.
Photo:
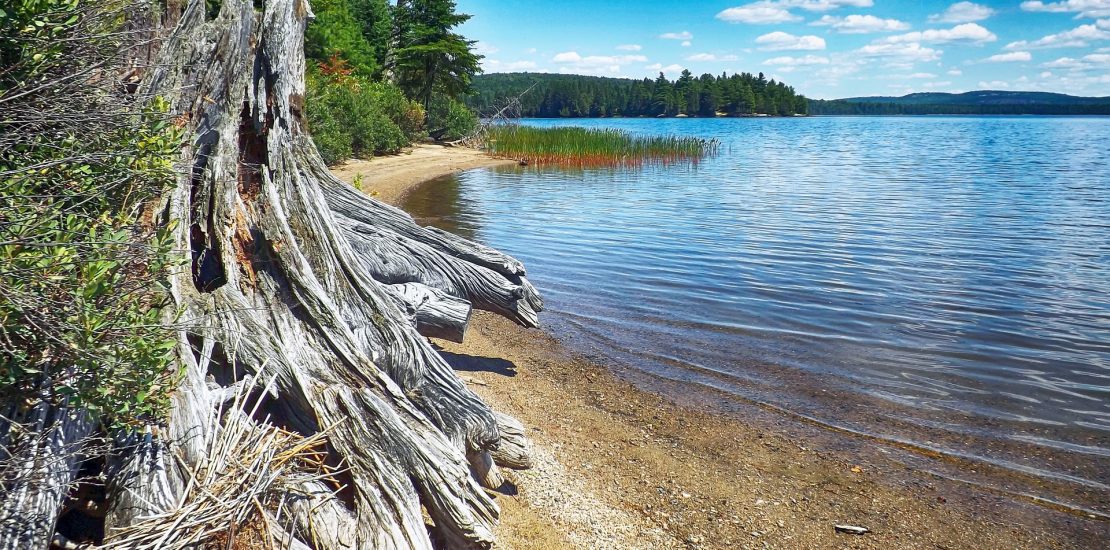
(851, 529)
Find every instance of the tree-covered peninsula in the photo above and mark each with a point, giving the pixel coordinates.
(568, 96)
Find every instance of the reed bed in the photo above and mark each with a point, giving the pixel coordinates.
(589, 147)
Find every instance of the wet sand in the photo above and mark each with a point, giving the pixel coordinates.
(619, 467)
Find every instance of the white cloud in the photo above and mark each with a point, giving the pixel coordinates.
(686, 43)
(993, 84)
(669, 69)
(962, 12)
(1046, 74)
(967, 32)
(943, 84)
(684, 35)
(922, 75)
(711, 57)
(826, 5)
(630, 47)
(1089, 61)
(484, 48)
(778, 40)
(1082, 8)
(567, 57)
(1064, 63)
(860, 24)
(908, 52)
(1009, 57)
(573, 62)
(788, 61)
(954, 72)
(531, 50)
(496, 66)
(758, 13)
(1074, 38)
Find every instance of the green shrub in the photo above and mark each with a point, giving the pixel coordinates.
(350, 116)
(449, 120)
(81, 275)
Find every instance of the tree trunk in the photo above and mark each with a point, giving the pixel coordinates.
(42, 449)
(300, 277)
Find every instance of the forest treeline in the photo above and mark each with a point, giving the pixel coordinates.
(558, 95)
(842, 107)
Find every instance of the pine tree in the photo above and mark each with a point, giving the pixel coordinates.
(429, 58)
(376, 21)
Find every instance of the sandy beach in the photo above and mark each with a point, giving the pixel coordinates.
(619, 467)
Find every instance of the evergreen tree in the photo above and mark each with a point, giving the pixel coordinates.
(376, 21)
(337, 33)
(429, 58)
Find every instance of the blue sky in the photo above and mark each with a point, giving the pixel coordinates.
(824, 48)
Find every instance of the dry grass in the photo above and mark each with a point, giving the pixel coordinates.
(237, 493)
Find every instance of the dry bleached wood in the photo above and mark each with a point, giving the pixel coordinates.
(435, 313)
(297, 275)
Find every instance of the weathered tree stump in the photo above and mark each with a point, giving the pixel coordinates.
(327, 291)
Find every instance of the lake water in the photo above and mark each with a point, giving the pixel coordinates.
(940, 282)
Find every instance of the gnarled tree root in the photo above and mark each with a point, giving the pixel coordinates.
(300, 280)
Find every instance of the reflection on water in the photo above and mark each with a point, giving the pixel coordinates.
(941, 281)
(442, 205)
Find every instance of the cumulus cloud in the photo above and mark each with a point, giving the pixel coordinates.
(686, 43)
(788, 61)
(778, 40)
(1082, 8)
(630, 47)
(1009, 57)
(567, 57)
(954, 72)
(922, 75)
(962, 12)
(758, 13)
(778, 11)
(826, 5)
(1064, 63)
(668, 69)
(684, 35)
(1089, 61)
(932, 85)
(1078, 37)
(860, 24)
(573, 62)
(911, 51)
(967, 32)
(711, 57)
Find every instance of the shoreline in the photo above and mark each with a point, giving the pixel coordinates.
(391, 178)
(621, 467)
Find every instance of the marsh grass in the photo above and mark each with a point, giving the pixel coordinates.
(588, 147)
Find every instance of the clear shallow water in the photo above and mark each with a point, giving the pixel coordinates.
(940, 282)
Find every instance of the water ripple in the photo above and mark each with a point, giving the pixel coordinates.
(950, 273)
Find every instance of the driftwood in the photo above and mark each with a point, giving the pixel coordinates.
(299, 279)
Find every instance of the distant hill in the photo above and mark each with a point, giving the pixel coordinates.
(988, 102)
